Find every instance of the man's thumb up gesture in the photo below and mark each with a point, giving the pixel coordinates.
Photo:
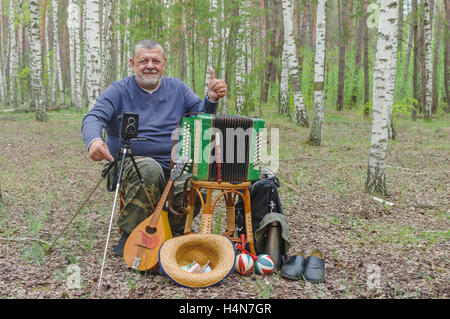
(216, 88)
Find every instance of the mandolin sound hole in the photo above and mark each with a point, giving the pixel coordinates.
(150, 230)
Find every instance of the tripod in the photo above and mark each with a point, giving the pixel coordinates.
(124, 151)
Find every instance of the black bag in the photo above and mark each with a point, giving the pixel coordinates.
(264, 199)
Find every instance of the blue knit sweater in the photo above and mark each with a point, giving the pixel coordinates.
(159, 114)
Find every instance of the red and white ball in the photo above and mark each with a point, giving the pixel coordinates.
(264, 265)
(244, 264)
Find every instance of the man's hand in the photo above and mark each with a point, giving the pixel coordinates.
(98, 151)
(216, 88)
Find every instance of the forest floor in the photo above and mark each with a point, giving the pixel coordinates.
(45, 175)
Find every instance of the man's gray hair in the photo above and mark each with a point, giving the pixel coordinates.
(148, 44)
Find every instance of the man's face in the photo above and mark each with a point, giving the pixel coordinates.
(148, 66)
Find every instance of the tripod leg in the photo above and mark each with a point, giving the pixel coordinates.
(119, 178)
(79, 209)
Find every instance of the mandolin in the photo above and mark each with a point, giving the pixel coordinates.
(142, 246)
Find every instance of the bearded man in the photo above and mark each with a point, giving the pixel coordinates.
(160, 102)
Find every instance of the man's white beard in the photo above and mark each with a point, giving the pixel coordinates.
(148, 81)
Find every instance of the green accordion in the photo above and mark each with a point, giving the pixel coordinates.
(222, 147)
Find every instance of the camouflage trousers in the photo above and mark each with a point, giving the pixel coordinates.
(137, 206)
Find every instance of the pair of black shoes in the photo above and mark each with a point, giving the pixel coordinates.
(312, 268)
(118, 249)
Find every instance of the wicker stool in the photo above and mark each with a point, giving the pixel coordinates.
(228, 192)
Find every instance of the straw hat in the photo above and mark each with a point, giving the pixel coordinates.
(182, 250)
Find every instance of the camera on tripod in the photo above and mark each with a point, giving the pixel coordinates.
(129, 123)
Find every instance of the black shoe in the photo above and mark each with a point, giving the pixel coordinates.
(118, 249)
(315, 267)
(294, 267)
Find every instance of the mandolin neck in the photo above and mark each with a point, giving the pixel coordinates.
(159, 207)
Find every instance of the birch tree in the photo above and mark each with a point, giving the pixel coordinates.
(36, 67)
(186, 46)
(2, 59)
(284, 82)
(428, 59)
(224, 35)
(13, 55)
(342, 15)
(301, 117)
(242, 42)
(211, 40)
(383, 93)
(73, 25)
(57, 68)
(92, 53)
(315, 136)
(107, 75)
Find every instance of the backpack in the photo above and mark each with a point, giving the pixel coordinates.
(264, 199)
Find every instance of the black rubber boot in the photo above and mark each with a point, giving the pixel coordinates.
(118, 249)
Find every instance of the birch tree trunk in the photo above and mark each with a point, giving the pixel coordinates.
(2, 59)
(437, 37)
(107, 74)
(92, 53)
(49, 49)
(342, 14)
(186, 46)
(385, 66)
(212, 40)
(224, 33)
(36, 68)
(73, 26)
(301, 117)
(284, 82)
(315, 136)
(168, 4)
(241, 50)
(415, 32)
(57, 68)
(13, 56)
(428, 59)
(447, 53)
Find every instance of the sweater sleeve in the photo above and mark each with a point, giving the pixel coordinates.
(101, 115)
(194, 104)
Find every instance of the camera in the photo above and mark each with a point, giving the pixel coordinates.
(129, 123)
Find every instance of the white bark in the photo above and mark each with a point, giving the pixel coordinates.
(428, 59)
(284, 82)
(127, 50)
(242, 42)
(73, 25)
(383, 95)
(13, 56)
(319, 65)
(50, 85)
(186, 45)
(92, 53)
(211, 40)
(168, 4)
(57, 67)
(224, 33)
(2, 60)
(36, 69)
(107, 74)
(300, 110)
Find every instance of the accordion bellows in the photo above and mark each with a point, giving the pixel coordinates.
(218, 250)
(225, 148)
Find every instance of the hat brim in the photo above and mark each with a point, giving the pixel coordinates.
(180, 251)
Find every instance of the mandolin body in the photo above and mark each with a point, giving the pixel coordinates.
(141, 249)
